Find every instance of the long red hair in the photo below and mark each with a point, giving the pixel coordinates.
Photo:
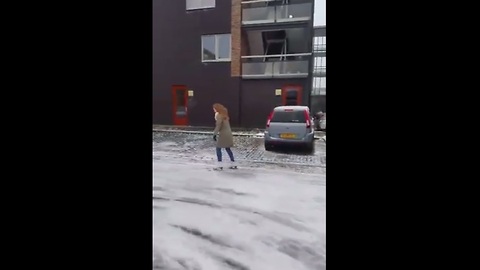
(221, 110)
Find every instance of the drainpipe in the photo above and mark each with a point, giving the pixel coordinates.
(240, 99)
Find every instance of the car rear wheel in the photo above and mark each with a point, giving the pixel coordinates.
(310, 147)
(268, 147)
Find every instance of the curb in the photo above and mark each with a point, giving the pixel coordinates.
(203, 128)
(200, 132)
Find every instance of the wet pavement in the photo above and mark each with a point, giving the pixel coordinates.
(268, 214)
(245, 219)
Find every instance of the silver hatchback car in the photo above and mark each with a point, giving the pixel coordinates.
(289, 125)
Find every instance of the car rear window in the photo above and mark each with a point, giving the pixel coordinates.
(288, 117)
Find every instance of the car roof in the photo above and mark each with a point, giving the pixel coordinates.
(295, 108)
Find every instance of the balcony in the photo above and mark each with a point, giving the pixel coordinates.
(277, 14)
(276, 66)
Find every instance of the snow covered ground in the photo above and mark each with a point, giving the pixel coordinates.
(250, 218)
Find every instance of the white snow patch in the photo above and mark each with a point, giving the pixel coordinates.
(259, 135)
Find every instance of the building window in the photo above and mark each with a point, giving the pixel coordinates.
(323, 44)
(320, 66)
(319, 86)
(216, 48)
(199, 4)
(323, 82)
(321, 61)
(320, 43)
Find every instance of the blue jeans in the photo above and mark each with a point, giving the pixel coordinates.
(229, 152)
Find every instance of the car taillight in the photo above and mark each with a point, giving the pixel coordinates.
(307, 118)
(269, 119)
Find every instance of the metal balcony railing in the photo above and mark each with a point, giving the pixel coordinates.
(319, 47)
(319, 71)
(319, 91)
(258, 15)
(294, 12)
(277, 14)
(276, 66)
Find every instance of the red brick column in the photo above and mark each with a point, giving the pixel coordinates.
(236, 32)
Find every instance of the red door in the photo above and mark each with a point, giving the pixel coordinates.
(179, 102)
(291, 95)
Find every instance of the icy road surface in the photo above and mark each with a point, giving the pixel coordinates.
(250, 218)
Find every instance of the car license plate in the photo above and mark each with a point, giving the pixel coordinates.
(288, 136)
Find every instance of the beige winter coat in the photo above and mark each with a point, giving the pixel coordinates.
(223, 132)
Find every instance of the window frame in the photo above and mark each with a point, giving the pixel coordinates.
(200, 8)
(217, 59)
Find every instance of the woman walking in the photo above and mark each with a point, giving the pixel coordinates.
(222, 134)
